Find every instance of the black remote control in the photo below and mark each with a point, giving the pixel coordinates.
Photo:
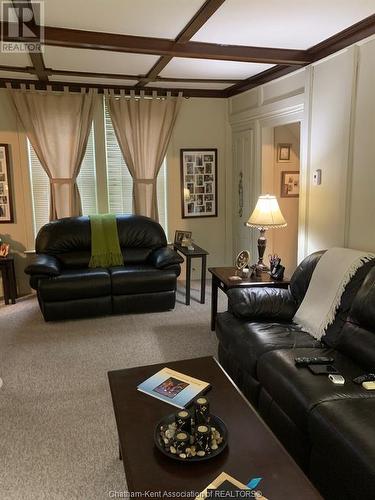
(367, 377)
(318, 360)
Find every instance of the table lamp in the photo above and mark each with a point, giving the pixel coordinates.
(266, 215)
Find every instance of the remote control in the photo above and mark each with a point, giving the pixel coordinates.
(336, 379)
(370, 386)
(367, 377)
(318, 360)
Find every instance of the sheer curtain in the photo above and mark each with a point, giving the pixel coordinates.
(143, 128)
(58, 127)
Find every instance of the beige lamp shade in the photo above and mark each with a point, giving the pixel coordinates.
(267, 213)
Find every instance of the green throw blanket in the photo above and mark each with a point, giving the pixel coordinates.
(105, 245)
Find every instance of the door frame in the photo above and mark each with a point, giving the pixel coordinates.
(267, 125)
(251, 180)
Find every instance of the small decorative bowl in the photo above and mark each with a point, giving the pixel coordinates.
(214, 422)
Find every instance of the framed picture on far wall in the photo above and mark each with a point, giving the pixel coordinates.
(283, 152)
(289, 184)
(198, 183)
(6, 206)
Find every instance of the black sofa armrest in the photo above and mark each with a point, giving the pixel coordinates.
(44, 264)
(264, 303)
(164, 257)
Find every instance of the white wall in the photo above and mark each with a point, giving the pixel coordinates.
(202, 123)
(336, 100)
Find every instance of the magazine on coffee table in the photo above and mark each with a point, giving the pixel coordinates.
(173, 387)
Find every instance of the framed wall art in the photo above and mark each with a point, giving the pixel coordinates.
(198, 183)
(283, 153)
(6, 203)
(289, 184)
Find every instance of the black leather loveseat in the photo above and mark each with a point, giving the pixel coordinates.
(68, 288)
(328, 429)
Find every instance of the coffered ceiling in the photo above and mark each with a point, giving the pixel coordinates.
(213, 48)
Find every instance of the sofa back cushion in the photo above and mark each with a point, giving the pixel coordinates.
(69, 239)
(333, 333)
(357, 338)
(300, 280)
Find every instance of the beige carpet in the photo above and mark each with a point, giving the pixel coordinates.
(57, 428)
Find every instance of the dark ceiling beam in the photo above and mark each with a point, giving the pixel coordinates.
(38, 63)
(259, 79)
(18, 69)
(201, 17)
(343, 39)
(35, 57)
(115, 76)
(207, 10)
(76, 87)
(65, 37)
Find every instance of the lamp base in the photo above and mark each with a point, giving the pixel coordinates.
(260, 267)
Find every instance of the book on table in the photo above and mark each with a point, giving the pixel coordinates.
(173, 387)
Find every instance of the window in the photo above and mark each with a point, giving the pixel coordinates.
(120, 182)
(86, 182)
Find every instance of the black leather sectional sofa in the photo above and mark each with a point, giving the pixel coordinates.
(68, 288)
(328, 429)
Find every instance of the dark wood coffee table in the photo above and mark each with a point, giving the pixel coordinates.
(220, 279)
(253, 451)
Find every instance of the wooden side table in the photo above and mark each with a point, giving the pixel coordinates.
(220, 279)
(9, 279)
(191, 254)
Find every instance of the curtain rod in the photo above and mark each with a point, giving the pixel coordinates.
(101, 89)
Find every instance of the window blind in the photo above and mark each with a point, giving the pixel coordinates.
(120, 182)
(86, 182)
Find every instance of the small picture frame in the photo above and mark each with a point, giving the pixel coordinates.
(6, 201)
(289, 184)
(198, 183)
(180, 235)
(283, 153)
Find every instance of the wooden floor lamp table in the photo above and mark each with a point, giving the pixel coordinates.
(221, 279)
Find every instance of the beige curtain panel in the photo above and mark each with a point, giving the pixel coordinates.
(58, 126)
(143, 128)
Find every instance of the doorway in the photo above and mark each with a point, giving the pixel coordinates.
(280, 176)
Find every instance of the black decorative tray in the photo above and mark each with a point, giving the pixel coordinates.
(214, 422)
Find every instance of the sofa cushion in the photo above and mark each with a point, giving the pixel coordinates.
(342, 461)
(248, 340)
(73, 234)
(357, 339)
(263, 303)
(351, 297)
(76, 284)
(297, 391)
(135, 279)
